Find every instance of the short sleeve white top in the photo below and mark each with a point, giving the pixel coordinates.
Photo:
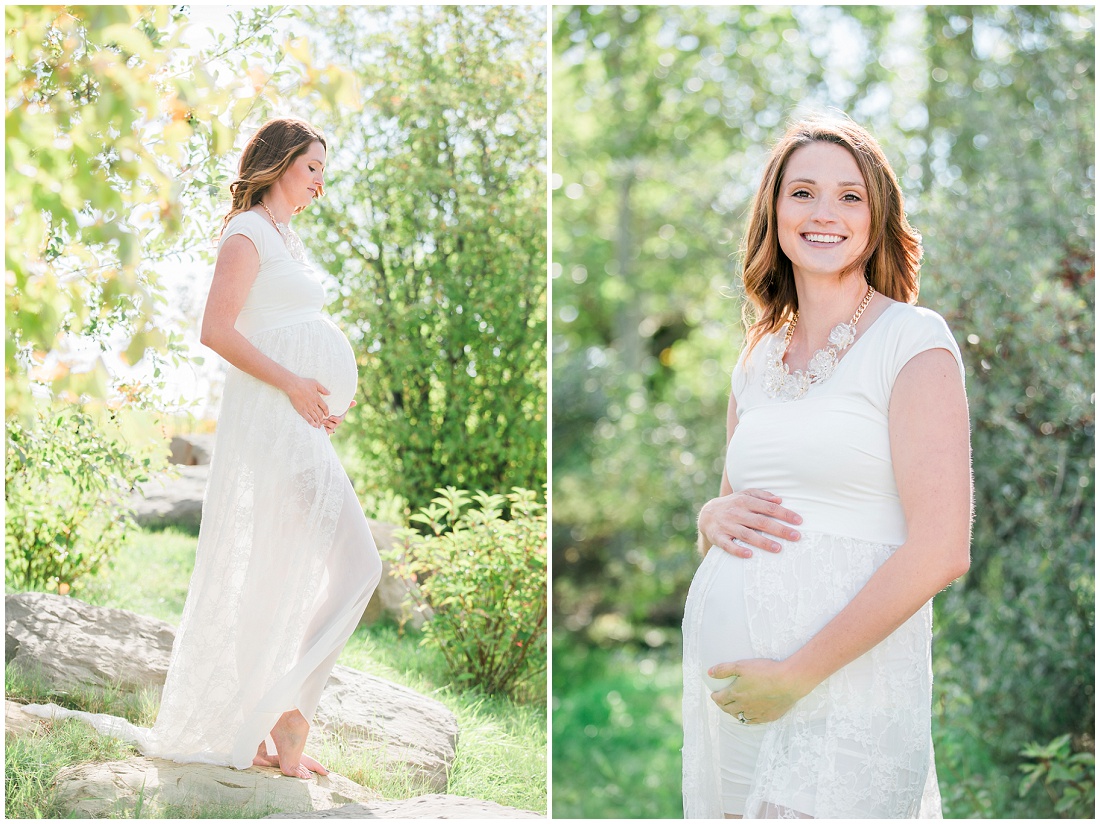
(827, 454)
(286, 291)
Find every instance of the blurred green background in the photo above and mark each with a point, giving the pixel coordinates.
(662, 118)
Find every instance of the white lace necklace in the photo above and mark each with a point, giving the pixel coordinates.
(778, 380)
(291, 240)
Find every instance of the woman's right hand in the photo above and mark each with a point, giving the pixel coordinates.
(305, 396)
(748, 516)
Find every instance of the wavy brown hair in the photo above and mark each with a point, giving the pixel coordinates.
(891, 261)
(266, 156)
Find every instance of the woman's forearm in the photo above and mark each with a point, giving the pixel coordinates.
(236, 349)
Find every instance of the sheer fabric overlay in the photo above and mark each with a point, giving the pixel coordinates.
(284, 568)
(857, 746)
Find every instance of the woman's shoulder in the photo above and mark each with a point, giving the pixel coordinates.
(249, 224)
(246, 218)
(908, 318)
(915, 329)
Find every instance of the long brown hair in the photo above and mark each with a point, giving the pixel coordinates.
(891, 261)
(266, 156)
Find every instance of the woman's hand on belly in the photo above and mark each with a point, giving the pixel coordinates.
(763, 690)
(332, 421)
(748, 516)
(305, 396)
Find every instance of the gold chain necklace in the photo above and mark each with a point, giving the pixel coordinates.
(276, 224)
(292, 242)
(778, 380)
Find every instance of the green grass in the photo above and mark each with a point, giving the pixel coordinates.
(32, 762)
(616, 732)
(148, 575)
(501, 752)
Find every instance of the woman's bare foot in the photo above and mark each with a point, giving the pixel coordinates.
(289, 735)
(264, 759)
(314, 765)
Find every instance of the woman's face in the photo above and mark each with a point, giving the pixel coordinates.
(303, 179)
(823, 216)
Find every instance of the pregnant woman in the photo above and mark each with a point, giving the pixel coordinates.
(844, 507)
(285, 563)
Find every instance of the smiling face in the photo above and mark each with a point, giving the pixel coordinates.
(304, 178)
(822, 212)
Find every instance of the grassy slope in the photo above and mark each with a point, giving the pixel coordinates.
(502, 745)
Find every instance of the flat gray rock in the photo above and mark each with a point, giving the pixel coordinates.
(424, 806)
(114, 787)
(70, 644)
(392, 725)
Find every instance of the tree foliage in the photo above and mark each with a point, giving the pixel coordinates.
(433, 226)
(662, 120)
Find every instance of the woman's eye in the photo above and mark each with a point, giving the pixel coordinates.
(800, 193)
(852, 198)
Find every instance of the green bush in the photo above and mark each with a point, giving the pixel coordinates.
(67, 480)
(484, 578)
(1069, 778)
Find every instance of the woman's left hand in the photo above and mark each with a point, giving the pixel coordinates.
(763, 690)
(332, 421)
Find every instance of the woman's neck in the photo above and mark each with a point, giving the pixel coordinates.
(277, 204)
(825, 302)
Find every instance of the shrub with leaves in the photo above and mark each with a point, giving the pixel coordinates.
(1068, 777)
(484, 577)
(67, 480)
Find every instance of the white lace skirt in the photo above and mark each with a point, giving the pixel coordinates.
(284, 568)
(859, 745)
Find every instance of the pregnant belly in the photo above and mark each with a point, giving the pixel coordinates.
(724, 634)
(336, 369)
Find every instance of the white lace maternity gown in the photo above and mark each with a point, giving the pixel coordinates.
(859, 745)
(285, 563)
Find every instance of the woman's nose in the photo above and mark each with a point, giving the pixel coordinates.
(823, 211)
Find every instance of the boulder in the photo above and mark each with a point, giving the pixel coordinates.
(165, 500)
(390, 724)
(119, 787)
(424, 806)
(191, 450)
(70, 644)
